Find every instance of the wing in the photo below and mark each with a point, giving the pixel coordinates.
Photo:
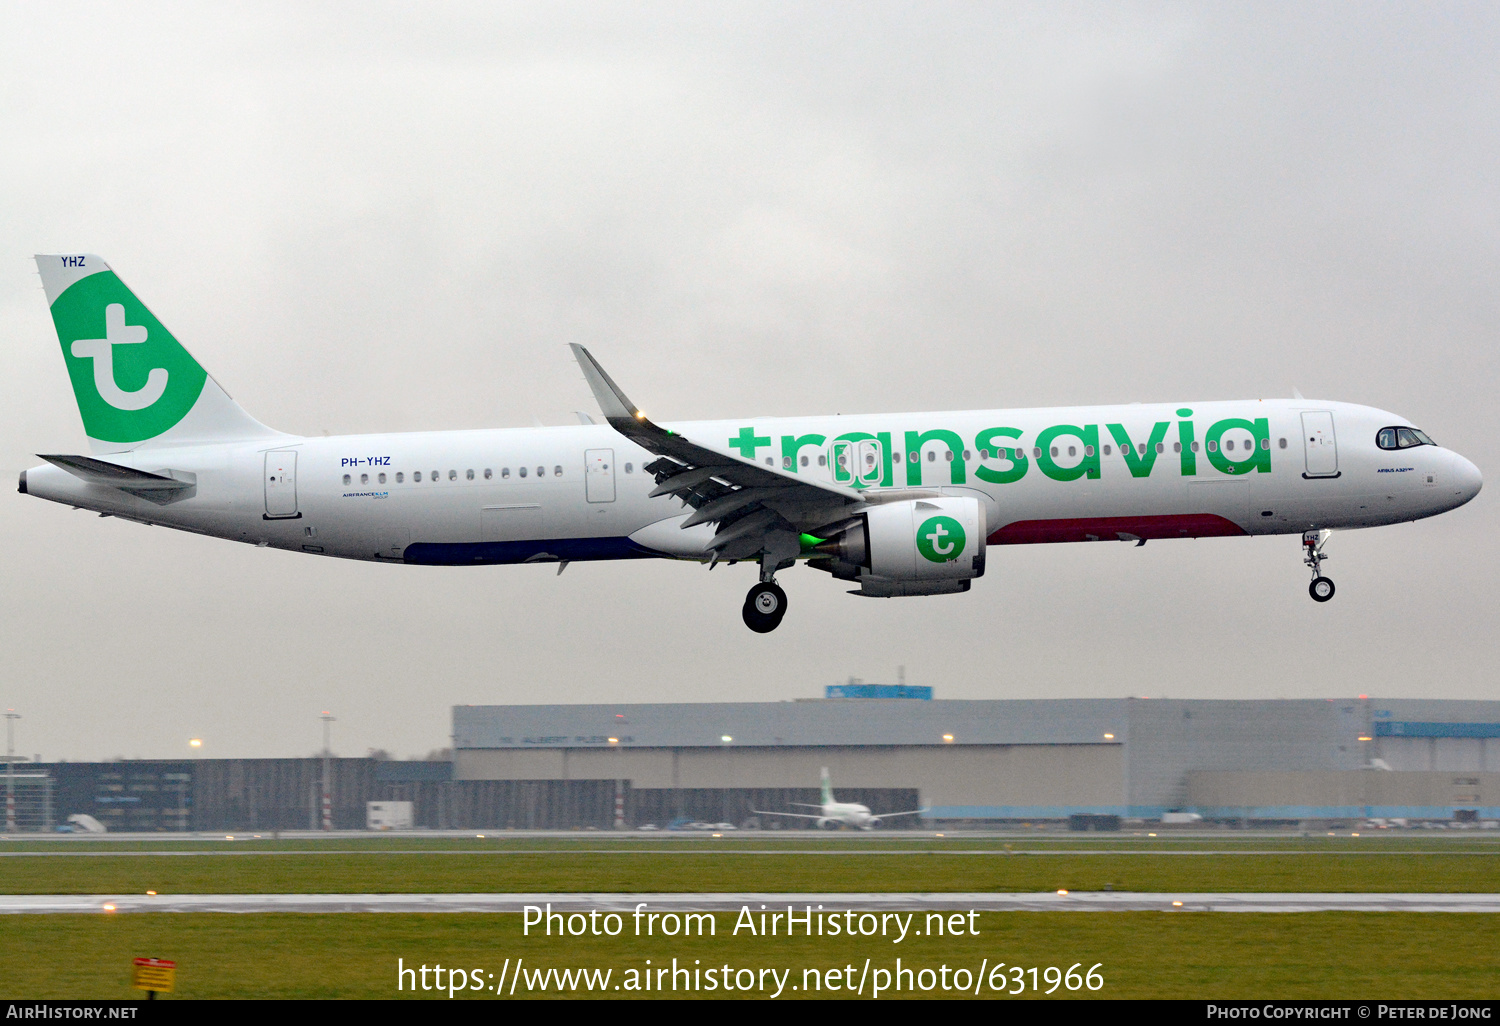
(760, 510)
(888, 815)
(794, 815)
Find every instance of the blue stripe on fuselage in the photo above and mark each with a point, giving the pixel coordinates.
(542, 550)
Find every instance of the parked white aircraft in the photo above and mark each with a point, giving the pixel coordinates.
(897, 504)
(833, 814)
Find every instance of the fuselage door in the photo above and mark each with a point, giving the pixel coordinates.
(857, 463)
(1319, 444)
(599, 475)
(869, 461)
(281, 484)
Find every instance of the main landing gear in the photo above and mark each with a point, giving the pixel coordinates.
(1321, 588)
(764, 607)
(766, 603)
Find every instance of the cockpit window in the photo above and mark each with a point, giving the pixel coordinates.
(1401, 438)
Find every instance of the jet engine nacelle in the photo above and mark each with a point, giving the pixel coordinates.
(829, 824)
(914, 547)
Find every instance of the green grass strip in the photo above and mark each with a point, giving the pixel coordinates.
(1144, 954)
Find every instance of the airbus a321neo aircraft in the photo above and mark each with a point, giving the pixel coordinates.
(895, 504)
(835, 814)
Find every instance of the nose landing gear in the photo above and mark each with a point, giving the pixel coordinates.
(1321, 588)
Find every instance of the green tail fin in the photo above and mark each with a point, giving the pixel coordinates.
(827, 788)
(135, 384)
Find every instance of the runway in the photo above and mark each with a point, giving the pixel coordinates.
(1047, 901)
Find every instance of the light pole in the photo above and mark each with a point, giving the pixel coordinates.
(327, 780)
(11, 716)
(726, 740)
(614, 743)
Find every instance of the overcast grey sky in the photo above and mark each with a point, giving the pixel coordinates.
(366, 217)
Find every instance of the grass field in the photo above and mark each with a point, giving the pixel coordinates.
(1144, 954)
(782, 864)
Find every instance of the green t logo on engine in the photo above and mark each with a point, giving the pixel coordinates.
(940, 539)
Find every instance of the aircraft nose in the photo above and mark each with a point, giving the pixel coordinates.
(1467, 477)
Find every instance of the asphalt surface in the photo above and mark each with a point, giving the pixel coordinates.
(1076, 901)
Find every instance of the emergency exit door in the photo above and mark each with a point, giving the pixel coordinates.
(1320, 445)
(281, 485)
(599, 475)
(857, 462)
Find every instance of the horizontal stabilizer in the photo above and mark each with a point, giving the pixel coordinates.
(161, 488)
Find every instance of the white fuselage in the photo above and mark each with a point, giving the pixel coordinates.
(581, 492)
(849, 814)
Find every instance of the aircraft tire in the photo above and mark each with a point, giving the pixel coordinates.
(764, 608)
(1321, 589)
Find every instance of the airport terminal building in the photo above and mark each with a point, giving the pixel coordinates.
(1009, 760)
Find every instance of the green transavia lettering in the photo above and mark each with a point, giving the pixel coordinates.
(1063, 452)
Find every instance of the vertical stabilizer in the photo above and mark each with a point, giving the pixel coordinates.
(827, 788)
(135, 384)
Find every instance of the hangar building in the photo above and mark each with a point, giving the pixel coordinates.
(1009, 759)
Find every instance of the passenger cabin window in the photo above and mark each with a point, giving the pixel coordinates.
(434, 477)
(452, 475)
(557, 471)
(1401, 438)
(382, 479)
(469, 475)
(417, 476)
(629, 467)
(488, 473)
(504, 472)
(364, 479)
(346, 479)
(400, 477)
(541, 471)
(522, 472)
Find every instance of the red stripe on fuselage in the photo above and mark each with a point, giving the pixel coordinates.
(1180, 525)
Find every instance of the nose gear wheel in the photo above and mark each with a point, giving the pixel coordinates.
(1321, 588)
